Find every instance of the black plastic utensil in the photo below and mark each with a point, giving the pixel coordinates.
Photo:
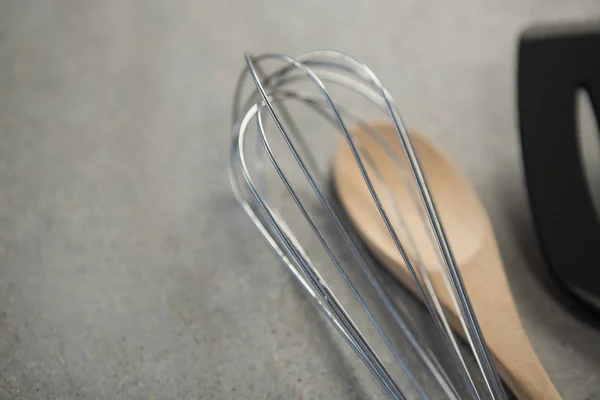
(554, 63)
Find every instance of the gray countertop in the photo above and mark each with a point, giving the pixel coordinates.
(127, 270)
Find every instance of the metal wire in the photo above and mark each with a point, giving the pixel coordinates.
(268, 99)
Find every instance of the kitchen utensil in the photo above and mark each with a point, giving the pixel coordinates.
(470, 234)
(312, 80)
(554, 62)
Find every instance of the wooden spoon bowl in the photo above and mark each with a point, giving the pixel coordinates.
(471, 237)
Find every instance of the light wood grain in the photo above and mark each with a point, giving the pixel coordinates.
(471, 237)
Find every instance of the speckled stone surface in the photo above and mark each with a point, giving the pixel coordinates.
(127, 270)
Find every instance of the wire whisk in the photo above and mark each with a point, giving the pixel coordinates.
(272, 157)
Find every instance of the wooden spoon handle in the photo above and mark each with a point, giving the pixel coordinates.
(506, 338)
(498, 318)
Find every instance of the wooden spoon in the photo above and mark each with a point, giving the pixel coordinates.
(471, 238)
